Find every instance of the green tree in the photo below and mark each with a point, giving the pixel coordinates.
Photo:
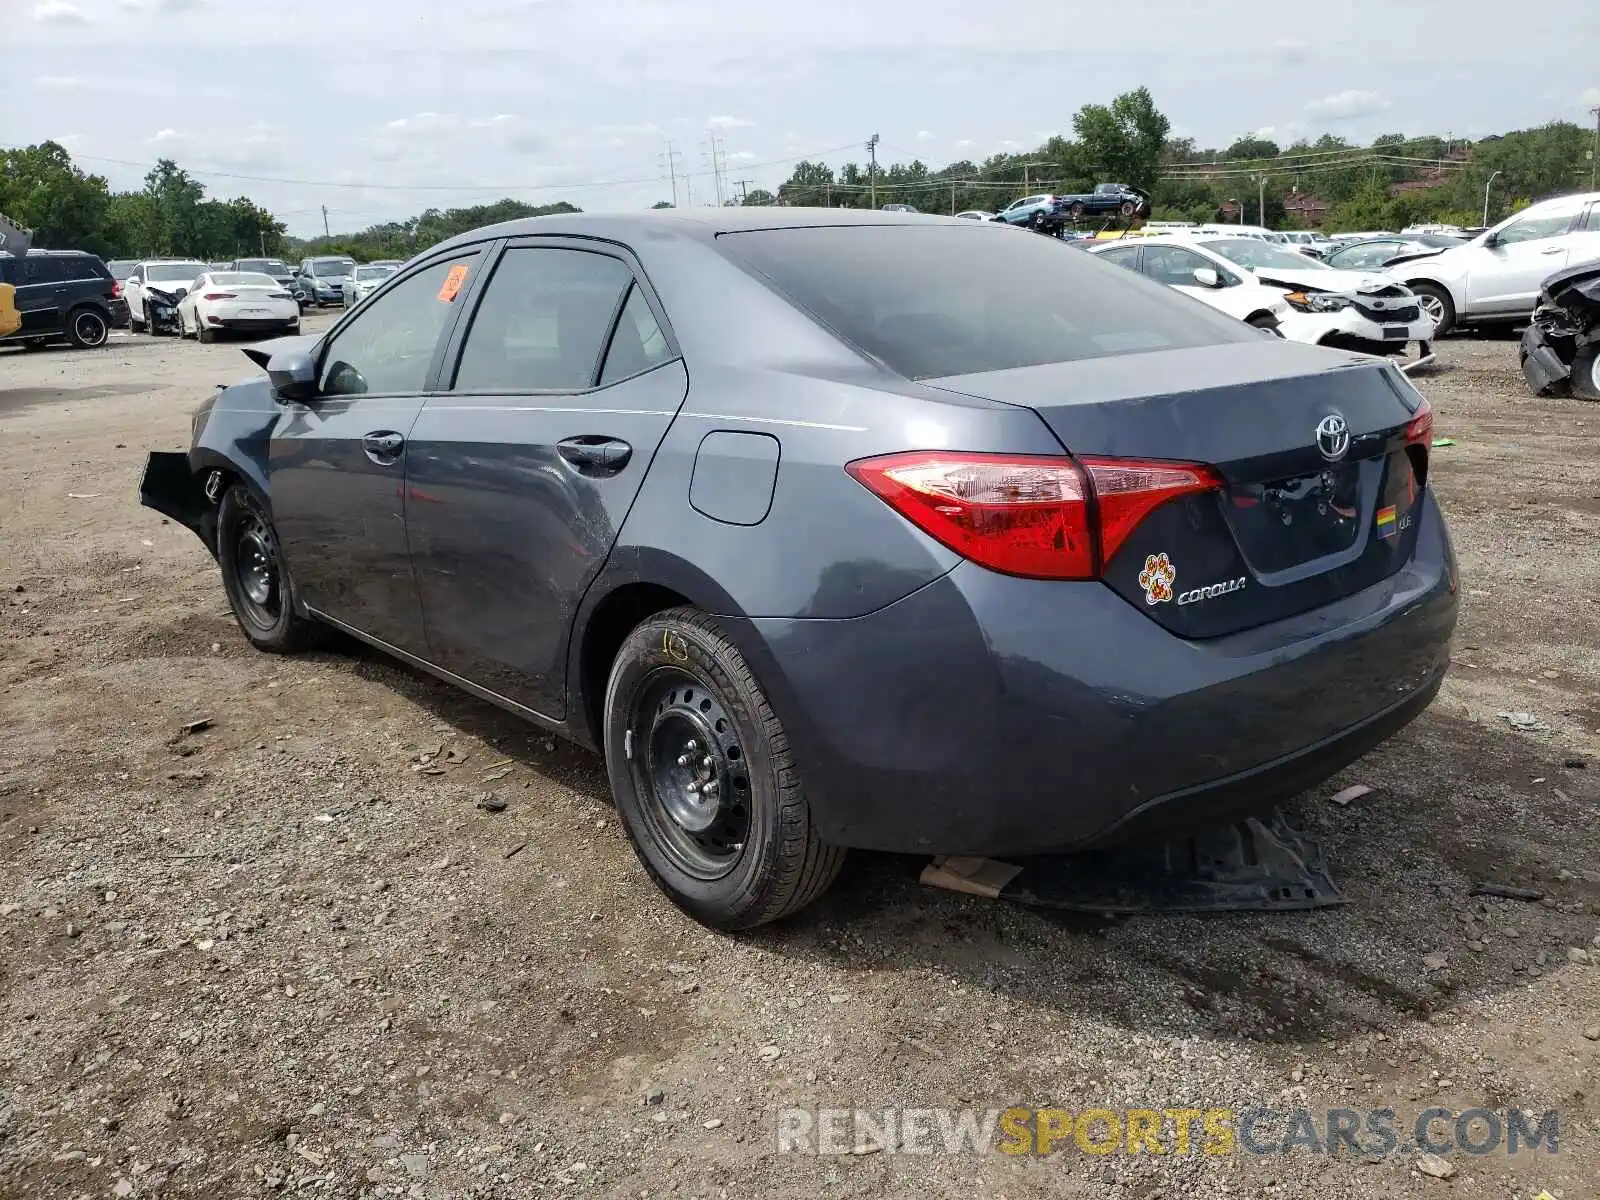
(41, 189)
(1124, 141)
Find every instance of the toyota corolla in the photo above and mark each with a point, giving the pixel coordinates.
(837, 529)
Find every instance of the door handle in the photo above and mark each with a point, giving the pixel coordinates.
(593, 454)
(383, 447)
(1553, 250)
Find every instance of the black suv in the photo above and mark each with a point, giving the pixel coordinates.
(63, 295)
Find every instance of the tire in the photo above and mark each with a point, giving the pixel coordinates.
(204, 334)
(88, 327)
(1128, 208)
(1585, 376)
(1436, 302)
(1076, 210)
(247, 549)
(1036, 221)
(1265, 321)
(678, 688)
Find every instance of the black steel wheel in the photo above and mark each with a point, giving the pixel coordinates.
(704, 780)
(87, 328)
(256, 578)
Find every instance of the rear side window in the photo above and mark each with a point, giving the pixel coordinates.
(41, 270)
(543, 321)
(638, 343)
(929, 301)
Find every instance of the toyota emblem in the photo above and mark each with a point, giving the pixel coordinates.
(1333, 437)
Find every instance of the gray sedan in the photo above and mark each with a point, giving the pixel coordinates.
(831, 528)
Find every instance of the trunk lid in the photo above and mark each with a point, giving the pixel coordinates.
(1304, 516)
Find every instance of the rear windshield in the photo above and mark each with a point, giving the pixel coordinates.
(332, 266)
(929, 301)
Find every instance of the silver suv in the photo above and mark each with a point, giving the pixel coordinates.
(1496, 276)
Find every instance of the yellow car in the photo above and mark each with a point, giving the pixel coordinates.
(10, 318)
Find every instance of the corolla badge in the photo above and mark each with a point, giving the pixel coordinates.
(1333, 437)
(1157, 578)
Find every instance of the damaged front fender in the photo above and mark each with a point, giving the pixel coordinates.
(1561, 346)
(174, 489)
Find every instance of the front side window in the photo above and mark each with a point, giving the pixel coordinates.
(543, 321)
(388, 344)
(1532, 229)
(1175, 266)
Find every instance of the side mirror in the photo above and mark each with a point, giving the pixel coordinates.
(1206, 277)
(293, 375)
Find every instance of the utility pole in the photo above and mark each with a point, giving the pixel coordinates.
(1486, 188)
(714, 156)
(872, 170)
(263, 234)
(744, 190)
(669, 161)
(1594, 155)
(1025, 168)
(325, 232)
(1261, 199)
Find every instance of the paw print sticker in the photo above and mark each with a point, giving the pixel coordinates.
(1157, 578)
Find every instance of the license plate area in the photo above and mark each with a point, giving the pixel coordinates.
(1395, 333)
(1282, 523)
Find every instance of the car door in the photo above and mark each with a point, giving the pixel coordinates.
(39, 294)
(1175, 266)
(1510, 264)
(336, 465)
(521, 473)
(133, 292)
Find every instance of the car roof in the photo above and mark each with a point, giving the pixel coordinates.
(60, 254)
(699, 224)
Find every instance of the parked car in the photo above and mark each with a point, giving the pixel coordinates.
(237, 302)
(1560, 350)
(121, 268)
(275, 267)
(171, 276)
(898, 208)
(1370, 312)
(366, 280)
(322, 279)
(10, 317)
(1106, 198)
(543, 463)
(62, 295)
(975, 214)
(387, 262)
(1206, 276)
(1376, 253)
(1495, 277)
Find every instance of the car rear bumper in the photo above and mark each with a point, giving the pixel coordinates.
(119, 313)
(253, 324)
(984, 714)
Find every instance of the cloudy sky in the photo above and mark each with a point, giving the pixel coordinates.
(379, 108)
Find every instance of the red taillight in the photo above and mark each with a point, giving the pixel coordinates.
(1420, 428)
(116, 289)
(219, 296)
(1129, 490)
(1027, 515)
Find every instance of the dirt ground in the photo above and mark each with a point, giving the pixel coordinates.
(272, 956)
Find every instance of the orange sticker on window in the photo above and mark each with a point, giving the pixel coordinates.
(452, 283)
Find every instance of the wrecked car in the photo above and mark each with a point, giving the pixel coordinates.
(1561, 346)
(766, 506)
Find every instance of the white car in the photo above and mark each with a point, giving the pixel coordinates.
(242, 301)
(1496, 276)
(363, 281)
(172, 276)
(976, 214)
(1205, 276)
(1309, 302)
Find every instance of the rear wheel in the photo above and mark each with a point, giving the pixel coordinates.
(259, 589)
(87, 328)
(203, 333)
(1077, 209)
(1437, 306)
(704, 779)
(1128, 208)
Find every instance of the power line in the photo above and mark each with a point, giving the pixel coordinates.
(499, 188)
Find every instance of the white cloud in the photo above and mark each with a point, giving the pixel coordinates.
(924, 135)
(963, 144)
(172, 6)
(729, 123)
(58, 12)
(742, 156)
(1347, 105)
(58, 83)
(1265, 131)
(1590, 98)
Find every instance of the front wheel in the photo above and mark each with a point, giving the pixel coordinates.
(704, 779)
(1266, 322)
(255, 577)
(1437, 306)
(1128, 208)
